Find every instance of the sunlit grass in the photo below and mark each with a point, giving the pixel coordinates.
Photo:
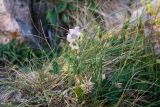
(75, 76)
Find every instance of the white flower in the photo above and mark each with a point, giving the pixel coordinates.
(70, 38)
(74, 34)
(73, 37)
(74, 31)
(80, 36)
(74, 45)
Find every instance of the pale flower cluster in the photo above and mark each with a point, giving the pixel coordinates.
(74, 35)
(87, 87)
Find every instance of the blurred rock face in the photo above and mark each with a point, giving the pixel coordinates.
(13, 10)
(7, 22)
(15, 18)
(115, 12)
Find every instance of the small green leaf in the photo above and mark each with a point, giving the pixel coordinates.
(78, 91)
(61, 6)
(158, 61)
(65, 18)
(72, 7)
(55, 68)
(52, 17)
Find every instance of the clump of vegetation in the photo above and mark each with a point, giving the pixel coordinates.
(91, 69)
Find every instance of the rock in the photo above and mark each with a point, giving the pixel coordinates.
(7, 22)
(151, 30)
(15, 18)
(115, 12)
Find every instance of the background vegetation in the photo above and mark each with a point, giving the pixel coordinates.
(106, 70)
